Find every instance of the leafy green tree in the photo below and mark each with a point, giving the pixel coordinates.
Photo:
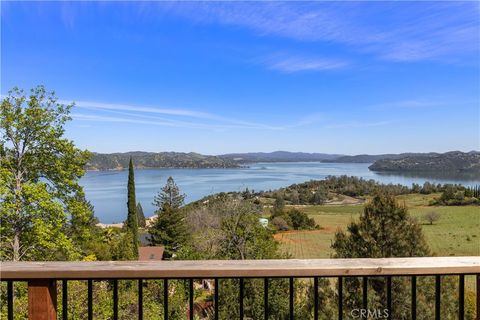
(320, 196)
(448, 193)
(132, 218)
(39, 173)
(169, 228)
(123, 246)
(243, 237)
(83, 230)
(295, 197)
(431, 217)
(141, 216)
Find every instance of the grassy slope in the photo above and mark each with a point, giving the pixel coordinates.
(456, 233)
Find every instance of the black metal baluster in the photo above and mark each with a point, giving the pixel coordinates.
(90, 299)
(216, 298)
(165, 299)
(437, 297)
(115, 299)
(389, 297)
(292, 293)
(478, 296)
(461, 297)
(340, 298)
(140, 299)
(265, 298)
(365, 293)
(191, 297)
(241, 298)
(414, 298)
(64, 299)
(315, 298)
(10, 300)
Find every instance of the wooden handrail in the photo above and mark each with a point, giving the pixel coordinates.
(239, 268)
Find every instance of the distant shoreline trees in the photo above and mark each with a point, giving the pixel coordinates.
(317, 192)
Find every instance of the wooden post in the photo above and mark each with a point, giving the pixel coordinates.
(42, 299)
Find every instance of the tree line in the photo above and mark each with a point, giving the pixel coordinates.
(316, 192)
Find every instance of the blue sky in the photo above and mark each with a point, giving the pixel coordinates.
(350, 77)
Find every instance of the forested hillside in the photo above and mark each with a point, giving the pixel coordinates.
(119, 161)
(454, 161)
(369, 158)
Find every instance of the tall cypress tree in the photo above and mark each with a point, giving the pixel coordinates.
(132, 219)
(141, 216)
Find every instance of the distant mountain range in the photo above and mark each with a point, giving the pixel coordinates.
(119, 161)
(279, 156)
(454, 161)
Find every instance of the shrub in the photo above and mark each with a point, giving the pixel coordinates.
(300, 220)
(280, 224)
(432, 217)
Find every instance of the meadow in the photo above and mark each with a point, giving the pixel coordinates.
(456, 233)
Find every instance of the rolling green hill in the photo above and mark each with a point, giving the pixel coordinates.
(454, 161)
(119, 161)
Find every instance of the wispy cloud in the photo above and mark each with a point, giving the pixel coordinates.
(125, 107)
(182, 118)
(358, 124)
(213, 121)
(308, 120)
(420, 104)
(102, 118)
(395, 31)
(292, 64)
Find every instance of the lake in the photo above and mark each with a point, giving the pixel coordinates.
(107, 190)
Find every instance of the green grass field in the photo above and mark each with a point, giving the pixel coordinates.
(456, 233)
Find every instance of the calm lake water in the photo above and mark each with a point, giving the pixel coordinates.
(107, 190)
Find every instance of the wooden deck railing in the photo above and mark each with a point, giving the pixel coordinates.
(43, 276)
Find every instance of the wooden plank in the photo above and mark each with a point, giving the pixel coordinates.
(42, 300)
(239, 268)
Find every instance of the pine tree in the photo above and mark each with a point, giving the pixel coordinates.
(141, 216)
(169, 228)
(132, 219)
(386, 230)
(169, 194)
